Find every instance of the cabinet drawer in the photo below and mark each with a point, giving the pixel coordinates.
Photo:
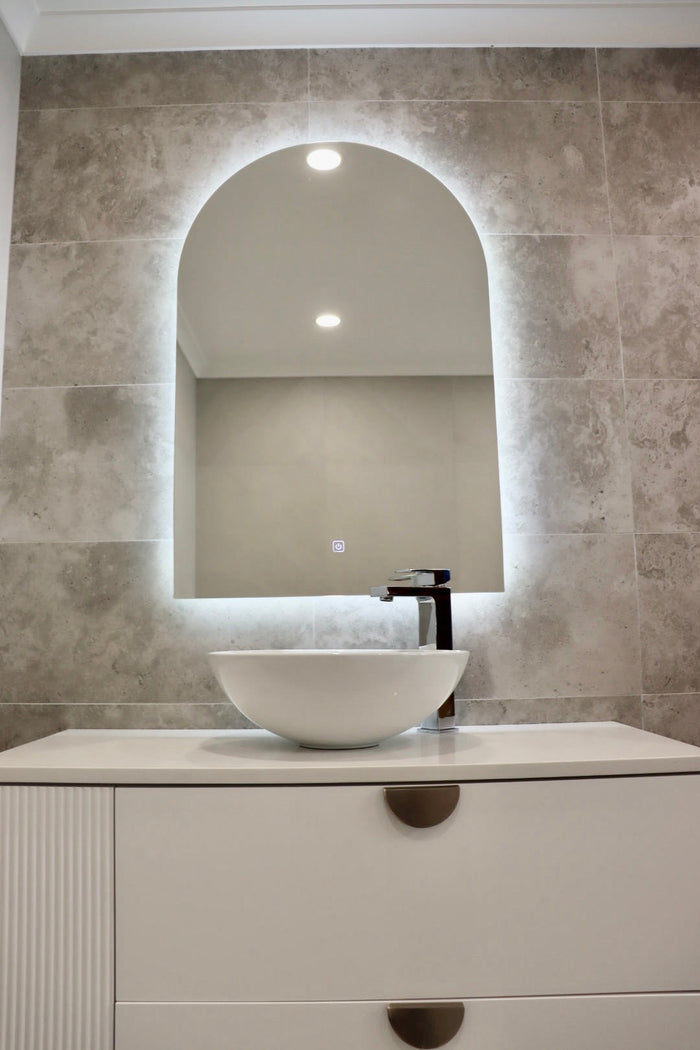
(300, 893)
(577, 1023)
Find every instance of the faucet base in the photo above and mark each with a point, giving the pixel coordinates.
(442, 720)
(434, 724)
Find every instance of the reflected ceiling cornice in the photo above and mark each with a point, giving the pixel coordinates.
(94, 26)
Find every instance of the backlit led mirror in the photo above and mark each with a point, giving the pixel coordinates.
(335, 410)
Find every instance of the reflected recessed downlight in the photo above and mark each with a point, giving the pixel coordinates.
(323, 159)
(327, 320)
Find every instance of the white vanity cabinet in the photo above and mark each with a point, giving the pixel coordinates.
(296, 893)
(264, 897)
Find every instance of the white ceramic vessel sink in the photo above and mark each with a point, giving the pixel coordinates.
(338, 698)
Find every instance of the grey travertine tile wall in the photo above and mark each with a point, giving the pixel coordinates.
(581, 170)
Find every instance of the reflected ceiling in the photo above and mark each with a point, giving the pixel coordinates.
(93, 26)
(378, 243)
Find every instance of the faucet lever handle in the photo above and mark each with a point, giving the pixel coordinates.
(421, 577)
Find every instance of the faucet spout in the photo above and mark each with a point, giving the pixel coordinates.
(428, 586)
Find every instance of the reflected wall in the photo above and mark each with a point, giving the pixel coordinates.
(399, 470)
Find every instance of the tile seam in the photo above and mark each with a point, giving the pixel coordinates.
(625, 418)
(79, 543)
(510, 535)
(485, 233)
(119, 703)
(362, 100)
(555, 535)
(175, 239)
(308, 94)
(686, 692)
(100, 240)
(345, 100)
(650, 101)
(169, 384)
(553, 696)
(227, 703)
(501, 379)
(594, 379)
(137, 107)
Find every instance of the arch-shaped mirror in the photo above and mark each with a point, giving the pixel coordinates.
(335, 414)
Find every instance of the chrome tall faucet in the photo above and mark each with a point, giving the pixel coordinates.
(429, 587)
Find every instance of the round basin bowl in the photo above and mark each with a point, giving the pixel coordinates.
(338, 698)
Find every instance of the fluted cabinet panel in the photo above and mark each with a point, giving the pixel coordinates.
(56, 918)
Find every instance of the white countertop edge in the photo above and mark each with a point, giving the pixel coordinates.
(254, 757)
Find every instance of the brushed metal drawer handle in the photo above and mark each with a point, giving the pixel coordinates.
(422, 805)
(426, 1025)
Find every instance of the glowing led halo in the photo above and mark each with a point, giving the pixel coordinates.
(327, 320)
(324, 159)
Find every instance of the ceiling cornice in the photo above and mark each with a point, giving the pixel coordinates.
(99, 26)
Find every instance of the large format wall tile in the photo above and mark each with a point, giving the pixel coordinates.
(664, 74)
(664, 427)
(565, 626)
(668, 570)
(517, 167)
(675, 715)
(659, 295)
(86, 463)
(87, 622)
(91, 314)
(553, 307)
(454, 73)
(562, 449)
(653, 159)
(101, 174)
(165, 78)
(122, 150)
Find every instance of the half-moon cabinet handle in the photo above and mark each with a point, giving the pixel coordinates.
(426, 1025)
(422, 805)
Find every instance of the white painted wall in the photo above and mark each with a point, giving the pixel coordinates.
(9, 109)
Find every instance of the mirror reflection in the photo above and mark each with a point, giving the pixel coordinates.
(335, 414)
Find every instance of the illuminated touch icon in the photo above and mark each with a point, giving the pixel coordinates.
(323, 159)
(327, 320)
(338, 546)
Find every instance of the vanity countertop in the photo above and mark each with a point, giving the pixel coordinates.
(256, 757)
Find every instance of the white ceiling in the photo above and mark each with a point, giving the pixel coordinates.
(89, 26)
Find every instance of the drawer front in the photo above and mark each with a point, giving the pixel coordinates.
(528, 888)
(577, 1023)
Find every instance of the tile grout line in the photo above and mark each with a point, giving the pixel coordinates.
(168, 383)
(440, 100)
(624, 389)
(538, 234)
(510, 535)
(462, 700)
(98, 240)
(308, 94)
(139, 106)
(81, 543)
